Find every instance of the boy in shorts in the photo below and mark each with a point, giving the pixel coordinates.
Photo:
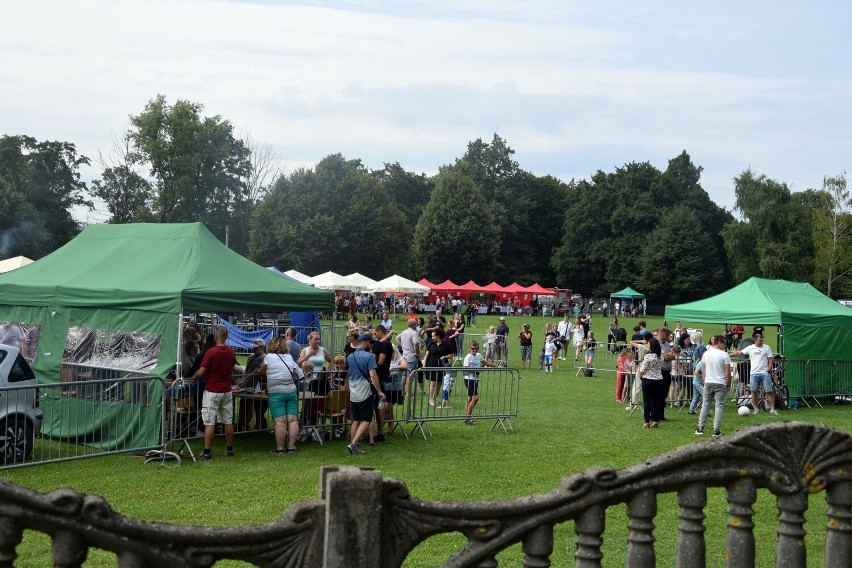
(473, 360)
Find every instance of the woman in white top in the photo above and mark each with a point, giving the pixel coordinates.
(578, 335)
(282, 374)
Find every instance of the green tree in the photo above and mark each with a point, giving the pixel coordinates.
(40, 185)
(456, 237)
(677, 261)
(122, 188)
(199, 167)
(833, 236)
(774, 237)
(611, 217)
(527, 210)
(334, 217)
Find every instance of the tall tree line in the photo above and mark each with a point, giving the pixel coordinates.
(481, 217)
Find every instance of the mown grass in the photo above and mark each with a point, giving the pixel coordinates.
(566, 424)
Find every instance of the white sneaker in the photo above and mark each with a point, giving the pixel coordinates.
(773, 412)
(756, 411)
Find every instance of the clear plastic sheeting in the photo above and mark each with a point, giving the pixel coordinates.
(123, 350)
(23, 336)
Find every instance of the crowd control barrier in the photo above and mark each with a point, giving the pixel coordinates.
(497, 391)
(94, 411)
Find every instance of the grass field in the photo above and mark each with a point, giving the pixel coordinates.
(566, 424)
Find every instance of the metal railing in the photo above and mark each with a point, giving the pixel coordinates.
(794, 461)
(112, 412)
(438, 394)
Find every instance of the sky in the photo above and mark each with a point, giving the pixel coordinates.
(572, 86)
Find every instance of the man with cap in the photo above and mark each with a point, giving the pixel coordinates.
(502, 346)
(760, 356)
(362, 375)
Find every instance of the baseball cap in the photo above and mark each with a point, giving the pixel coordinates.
(502, 318)
(258, 343)
(365, 337)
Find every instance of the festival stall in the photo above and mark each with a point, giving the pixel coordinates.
(126, 288)
(811, 326)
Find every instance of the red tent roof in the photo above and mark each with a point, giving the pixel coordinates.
(539, 291)
(493, 288)
(471, 287)
(446, 286)
(424, 282)
(515, 288)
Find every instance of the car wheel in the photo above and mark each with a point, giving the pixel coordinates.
(16, 439)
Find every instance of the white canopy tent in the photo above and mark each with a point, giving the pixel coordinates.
(333, 281)
(362, 281)
(14, 263)
(398, 285)
(296, 275)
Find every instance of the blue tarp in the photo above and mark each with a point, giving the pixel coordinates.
(243, 339)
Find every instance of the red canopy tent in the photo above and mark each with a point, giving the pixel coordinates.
(493, 288)
(539, 291)
(472, 287)
(447, 286)
(424, 282)
(515, 288)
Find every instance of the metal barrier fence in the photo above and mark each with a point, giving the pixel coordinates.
(604, 356)
(112, 412)
(438, 394)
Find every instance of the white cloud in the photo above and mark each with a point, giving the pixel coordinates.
(572, 88)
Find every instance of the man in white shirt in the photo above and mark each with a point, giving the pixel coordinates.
(716, 367)
(760, 356)
(563, 329)
(409, 340)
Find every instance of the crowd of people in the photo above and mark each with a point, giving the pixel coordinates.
(662, 360)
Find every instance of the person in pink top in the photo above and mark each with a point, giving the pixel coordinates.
(625, 359)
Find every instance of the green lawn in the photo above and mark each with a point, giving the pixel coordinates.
(566, 424)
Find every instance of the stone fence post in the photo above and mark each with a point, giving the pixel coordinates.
(353, 516)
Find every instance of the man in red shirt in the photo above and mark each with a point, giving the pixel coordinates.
(218, 402)
(738, 334)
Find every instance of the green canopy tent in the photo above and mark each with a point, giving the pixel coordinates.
(140, 278)
(811, 325)
(626, 294)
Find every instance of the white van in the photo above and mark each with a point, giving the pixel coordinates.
(20, 416)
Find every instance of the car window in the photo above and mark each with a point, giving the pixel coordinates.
(3, 355)
(21, 371)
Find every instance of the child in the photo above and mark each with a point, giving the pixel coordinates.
(625, 358)
(590, 345)
(549, 352)
(447, 389)
(473, 360)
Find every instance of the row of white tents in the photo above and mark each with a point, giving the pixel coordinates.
(356, 282)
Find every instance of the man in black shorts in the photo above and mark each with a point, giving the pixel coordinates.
(362, 374)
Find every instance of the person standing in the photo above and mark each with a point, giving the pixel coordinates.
(760, 357)
(362, 375)
(409, 340)
(563, 329)
(473, 360)
(525, 338)
(652, 384)
(384, 353)
(217, 402)
(667, 355)
(578, 335)
(283, 374)
(502, 344)
(293, 346)
(716, 369)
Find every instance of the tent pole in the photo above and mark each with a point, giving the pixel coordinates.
(780, 339)
(179, 356)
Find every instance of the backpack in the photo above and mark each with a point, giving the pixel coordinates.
(589, 372)
(621, 334)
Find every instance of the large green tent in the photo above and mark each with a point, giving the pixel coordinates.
(811, 325)
(140, 278)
